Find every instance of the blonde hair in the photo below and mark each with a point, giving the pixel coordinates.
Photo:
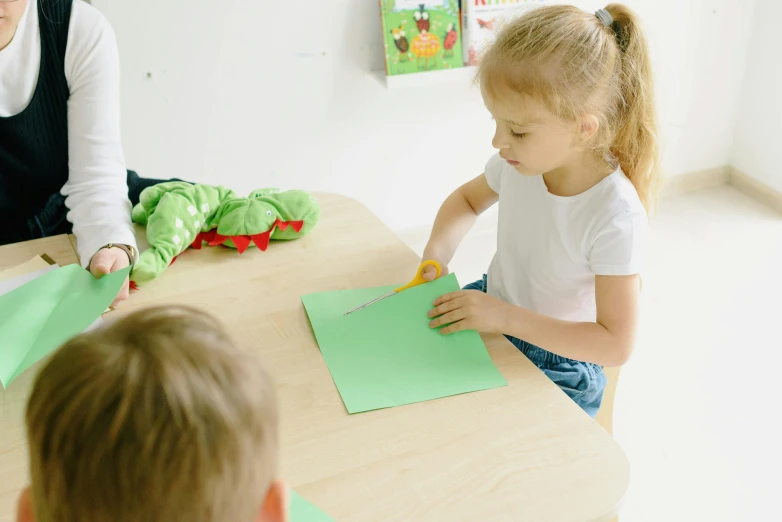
(157, 417)
(571, 62)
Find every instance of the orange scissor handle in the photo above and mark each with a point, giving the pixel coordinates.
(419, 277)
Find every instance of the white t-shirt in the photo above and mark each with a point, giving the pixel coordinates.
(549, 248)
(96, 191)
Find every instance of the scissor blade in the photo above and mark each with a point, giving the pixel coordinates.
(373, 301)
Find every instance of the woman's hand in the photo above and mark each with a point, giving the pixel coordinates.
(108, 260)
(469, 310)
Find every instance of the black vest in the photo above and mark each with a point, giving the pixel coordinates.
(34, 143)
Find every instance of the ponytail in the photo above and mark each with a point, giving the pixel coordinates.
(635, 144)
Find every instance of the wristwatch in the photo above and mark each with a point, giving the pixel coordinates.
(129, 250)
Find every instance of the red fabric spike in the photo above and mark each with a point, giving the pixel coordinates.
(219, 238)
(282, 225)
(133, 285)
(262, 240)
(241, 242)
(198, 241)
(173, 260)
(208, 236)
(297, 225)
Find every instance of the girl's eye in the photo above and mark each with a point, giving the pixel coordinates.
(417, 16)
(518, 135)
(426, 16)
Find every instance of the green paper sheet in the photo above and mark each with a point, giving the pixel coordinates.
(387, 355)
(303, 511)
(41, 315)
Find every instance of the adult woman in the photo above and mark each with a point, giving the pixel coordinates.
(62, 167)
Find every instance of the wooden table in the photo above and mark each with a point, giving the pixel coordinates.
(524, 452)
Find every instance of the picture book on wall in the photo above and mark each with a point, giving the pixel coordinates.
(421, 35)
(482, 18)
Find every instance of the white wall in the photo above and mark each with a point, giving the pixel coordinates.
(252, 93)
(757, 150)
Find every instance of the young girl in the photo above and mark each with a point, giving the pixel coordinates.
(571, 94)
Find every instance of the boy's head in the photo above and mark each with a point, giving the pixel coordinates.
(566, 85)
(156, 417)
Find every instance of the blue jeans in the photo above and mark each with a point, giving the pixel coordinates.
(582, 381)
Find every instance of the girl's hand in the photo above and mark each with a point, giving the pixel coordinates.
(108, 260)
(430, 273)
(469, 310)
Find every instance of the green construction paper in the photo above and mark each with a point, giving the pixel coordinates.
(302, 511)
(387, 355)
(41, 315)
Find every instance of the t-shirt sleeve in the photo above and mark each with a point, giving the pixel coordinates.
(493, 172)
(619, 247)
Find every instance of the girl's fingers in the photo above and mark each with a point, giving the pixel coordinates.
(455, 327)
(450, 317)
(448, 297)
(445, 307)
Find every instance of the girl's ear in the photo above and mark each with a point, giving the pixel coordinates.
(589, 127)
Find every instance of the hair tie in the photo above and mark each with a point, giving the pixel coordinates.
(607, 20)
(604, 17)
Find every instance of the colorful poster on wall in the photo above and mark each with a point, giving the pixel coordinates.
(421, 35)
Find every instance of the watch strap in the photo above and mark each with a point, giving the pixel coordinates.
(129, 250)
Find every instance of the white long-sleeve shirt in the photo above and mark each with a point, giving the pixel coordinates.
(96, 191)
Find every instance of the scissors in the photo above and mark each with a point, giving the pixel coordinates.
(417, 280)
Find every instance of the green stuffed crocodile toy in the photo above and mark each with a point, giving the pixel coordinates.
(179, 215)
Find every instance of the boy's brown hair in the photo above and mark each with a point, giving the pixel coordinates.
(156, 417)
